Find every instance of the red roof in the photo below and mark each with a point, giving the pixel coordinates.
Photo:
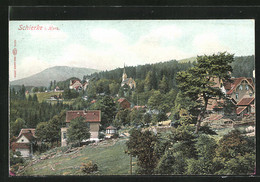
(236, 82)
(240, 109)
(111, 128)
(74, 81)
(90, 115)
(93, 101)
(15, 146)
(27, 130)
(84, 83)
(227, 85)
(122, 99)
(214, 117)
(245, 101)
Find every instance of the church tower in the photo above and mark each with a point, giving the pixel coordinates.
(124, 77)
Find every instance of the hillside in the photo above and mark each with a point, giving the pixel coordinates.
(186, 60)
(108, 155)
(58, 73)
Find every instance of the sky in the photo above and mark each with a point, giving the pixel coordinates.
(109, 44)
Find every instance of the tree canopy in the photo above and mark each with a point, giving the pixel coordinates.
(197, 83)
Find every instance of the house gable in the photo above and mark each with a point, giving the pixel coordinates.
(22, 139)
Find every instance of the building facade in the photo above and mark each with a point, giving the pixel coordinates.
(24, 142)
(127, 81)
(92, 117)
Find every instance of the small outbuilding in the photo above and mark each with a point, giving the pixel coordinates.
(111, 130)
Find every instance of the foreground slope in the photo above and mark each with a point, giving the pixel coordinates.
(108, 155)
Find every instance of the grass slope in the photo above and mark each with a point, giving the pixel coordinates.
(111, 160)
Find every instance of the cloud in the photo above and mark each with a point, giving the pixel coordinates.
(208, 43)
(26, 67)
(80, 56)
(108, 36)
(160, 35)
(159, 45)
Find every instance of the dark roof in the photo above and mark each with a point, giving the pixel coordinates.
(240, 109)
(15, 146)
(245, 101)
(125, 81)
(90, 115)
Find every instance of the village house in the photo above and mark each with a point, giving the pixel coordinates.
(240, 91)
(127, 81)
(24, 142)
(57, 89)
(124, 103)
(246, 106)
(110, 131)
(77, 85)
(240, 88)
(139, 107)
(92, 119)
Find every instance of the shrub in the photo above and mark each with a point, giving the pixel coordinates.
(89, 167)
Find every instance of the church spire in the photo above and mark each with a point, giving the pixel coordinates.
(124, 77)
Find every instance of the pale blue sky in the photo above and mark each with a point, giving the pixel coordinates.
(111, 43)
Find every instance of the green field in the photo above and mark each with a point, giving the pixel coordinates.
(110, 158)
(43, 96)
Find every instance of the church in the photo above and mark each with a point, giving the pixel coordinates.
(127, 81)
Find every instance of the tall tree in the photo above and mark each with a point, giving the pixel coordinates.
(148, 81)
(78, 130)
(197, 82)
(163, 85)
(141, 145)
(108, 109)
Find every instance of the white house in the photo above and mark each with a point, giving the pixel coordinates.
(24, 142)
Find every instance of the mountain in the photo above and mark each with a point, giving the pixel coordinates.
(58, 73)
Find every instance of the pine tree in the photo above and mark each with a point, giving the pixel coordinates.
(163, 85)
(197, 82)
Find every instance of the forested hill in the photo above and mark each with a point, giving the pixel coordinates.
(243, 66)
(157, 71)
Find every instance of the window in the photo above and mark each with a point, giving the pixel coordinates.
(250, 94)
(236, 95)
(247, 87)
(64, 135)
(22, 140)
(240, 87)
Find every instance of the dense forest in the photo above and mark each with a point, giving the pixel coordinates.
(243, 66)
(158, 70)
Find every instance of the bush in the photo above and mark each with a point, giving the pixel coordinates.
(116, 135)
(101, 135)
(89, 167)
